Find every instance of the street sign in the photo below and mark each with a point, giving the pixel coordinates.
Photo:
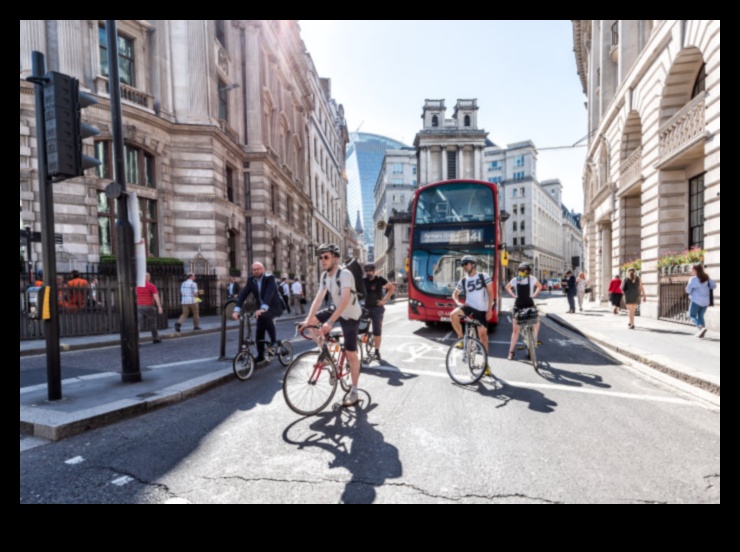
(58, 239)
(35, 237)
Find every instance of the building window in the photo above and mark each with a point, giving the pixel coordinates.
(290, 210)
(221, 31)
(435, 121)
(126, 64)
(275, 200)
(497, 179)
(521, 192)
(521, 208)
(516, 209)
(232, 250)
(515, 226)
(467, 120)
(519, 175)
(696, 212)
(700, 84)
(413, 171)
(514, 240)
(451, 165)
(230, 185)
(494, 166)
(139, 165)
(223, 104)
(522, 241)
(107, 226)
(519, 161)
(521, 226)
(513, 192)
(397, 168)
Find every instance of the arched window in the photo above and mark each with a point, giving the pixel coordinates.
(435, 121)
(700, 82)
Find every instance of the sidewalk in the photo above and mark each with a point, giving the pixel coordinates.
(665, 346)
(101, 399)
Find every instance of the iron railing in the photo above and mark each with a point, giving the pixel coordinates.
(673, 302)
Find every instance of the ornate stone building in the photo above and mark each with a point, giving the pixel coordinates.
(220, 117)
(652, 173)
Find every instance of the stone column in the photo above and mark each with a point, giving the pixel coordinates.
(33, 38)
(605, 246)
(198, 67)
(70, 47)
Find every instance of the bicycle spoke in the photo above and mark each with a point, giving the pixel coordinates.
(309, 384)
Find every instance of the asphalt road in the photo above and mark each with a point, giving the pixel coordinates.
(588, 429)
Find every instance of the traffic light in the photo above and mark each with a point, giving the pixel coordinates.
(65, 130)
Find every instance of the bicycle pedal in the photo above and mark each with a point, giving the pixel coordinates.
(521, 347)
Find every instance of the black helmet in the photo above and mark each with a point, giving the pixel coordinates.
(469, 259)
(525, 266)
(369, 266)
(328, 247)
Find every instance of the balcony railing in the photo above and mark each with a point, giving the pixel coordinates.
(631, 170)
(684, 129)
(227, 130)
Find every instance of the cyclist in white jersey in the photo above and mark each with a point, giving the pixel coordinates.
(478, 290)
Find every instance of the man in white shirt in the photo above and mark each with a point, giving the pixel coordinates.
(298, 297)
(190, 300)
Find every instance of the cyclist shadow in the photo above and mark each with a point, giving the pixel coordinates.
(502, 391)
(385, 369)
(356, 445)
(559, 376)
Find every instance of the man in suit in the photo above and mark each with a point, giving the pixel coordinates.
(234, 288)
(571, 290)
(265, 290)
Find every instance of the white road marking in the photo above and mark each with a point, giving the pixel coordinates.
(121, 481)
(550, 386)
(183, 363)
(70, 381)
(74, 461)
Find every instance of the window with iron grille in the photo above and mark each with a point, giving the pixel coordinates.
(451, 165)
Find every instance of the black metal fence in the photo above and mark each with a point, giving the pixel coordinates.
(673, 302)
(93, 310)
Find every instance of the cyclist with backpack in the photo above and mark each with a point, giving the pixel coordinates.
(378, 293)
(478, 290)
(339, 283)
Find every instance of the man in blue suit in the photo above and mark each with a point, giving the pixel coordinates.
(265, 290)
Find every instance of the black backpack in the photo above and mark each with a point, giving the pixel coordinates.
(353, 265)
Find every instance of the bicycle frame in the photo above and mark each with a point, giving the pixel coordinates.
(340, 368)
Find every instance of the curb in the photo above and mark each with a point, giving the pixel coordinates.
(695, 381)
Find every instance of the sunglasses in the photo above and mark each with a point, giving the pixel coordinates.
(325, 257)
(467, 263)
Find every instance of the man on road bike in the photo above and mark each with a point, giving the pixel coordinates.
(378, 292)
(478, 290)
(346, 310)
(524, 288)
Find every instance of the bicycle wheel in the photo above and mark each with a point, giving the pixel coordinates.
(466, 363)
(309, 384)
(243, 365)
(369, 346)
(531, 346)
(285, 353)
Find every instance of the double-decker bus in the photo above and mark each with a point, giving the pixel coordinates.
(450, 219)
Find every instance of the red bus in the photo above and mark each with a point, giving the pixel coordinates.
(450, 219)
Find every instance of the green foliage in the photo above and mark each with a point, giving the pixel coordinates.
(687, 257)
(635, 263)
(151, 261)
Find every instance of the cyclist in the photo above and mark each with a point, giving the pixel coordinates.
(378, 292)
(346, 310)
(478, 289)
(524, 288)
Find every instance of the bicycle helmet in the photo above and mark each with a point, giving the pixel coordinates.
(369, 266)
(525, 266)
(328, 247)
(468, 259)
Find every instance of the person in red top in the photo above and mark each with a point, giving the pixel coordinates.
(148, 307)
(615, 293)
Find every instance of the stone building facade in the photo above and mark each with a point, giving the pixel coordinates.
(219, 122)
(652, 173)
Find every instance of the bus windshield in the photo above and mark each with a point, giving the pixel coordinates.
(454, 203)
(437, 271)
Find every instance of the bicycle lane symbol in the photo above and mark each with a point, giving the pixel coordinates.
(423, 354)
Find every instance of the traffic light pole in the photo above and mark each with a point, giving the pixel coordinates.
(125, 258)
(46, 197)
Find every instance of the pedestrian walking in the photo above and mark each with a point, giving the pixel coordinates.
(699, 288)
(189, 301)
(284, 289)
(299, 297)
(78, 290)
(581, 285)
(615, 293)
(571, 291)
(633, 289)
(264, 288)
(148, 307)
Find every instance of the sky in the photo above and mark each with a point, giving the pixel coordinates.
(523, 74)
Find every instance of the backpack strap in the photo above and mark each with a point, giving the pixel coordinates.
(482, 281)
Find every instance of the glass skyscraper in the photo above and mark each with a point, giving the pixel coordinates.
(364, 159)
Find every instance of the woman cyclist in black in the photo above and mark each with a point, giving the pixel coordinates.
(524, 288)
